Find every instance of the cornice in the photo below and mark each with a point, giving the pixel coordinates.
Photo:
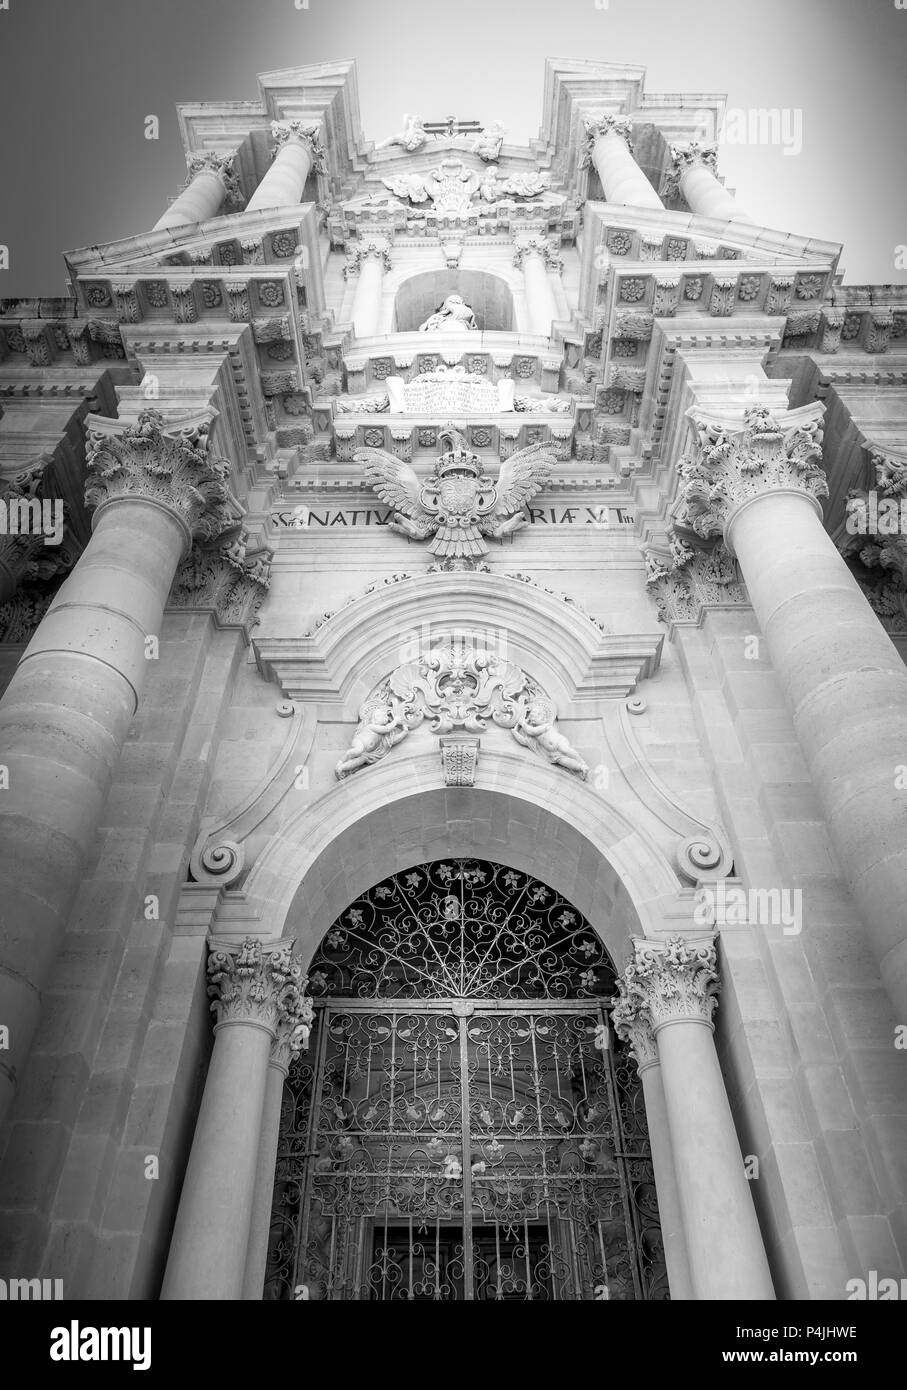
(551, 639)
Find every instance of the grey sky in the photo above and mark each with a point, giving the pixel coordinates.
(78, 77)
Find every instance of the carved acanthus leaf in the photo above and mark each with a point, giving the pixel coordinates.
(254, 984)
(163, 463)
(730, 464)
(225, 578)
(669, 981)
(684, 581)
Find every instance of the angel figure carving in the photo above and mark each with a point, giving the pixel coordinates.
(378, 732)
(538, 728)
(459, 505)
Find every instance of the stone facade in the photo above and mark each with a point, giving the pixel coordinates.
(418, 504)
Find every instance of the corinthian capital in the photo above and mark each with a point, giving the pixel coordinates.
(594, 127)
(684, 157)
(733, 462)
(254, 984)
(633, 1025)
(372, 250)
(310, 136)
(667, 982)
(166, 463)
(537, 246)
(221, 164)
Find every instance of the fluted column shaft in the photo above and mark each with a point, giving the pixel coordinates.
(256, 993)
(66, 712)
(674, 985)
(622, 180)
(284, 183)
(844, 680)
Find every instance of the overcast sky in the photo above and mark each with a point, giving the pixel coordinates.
(78, 78)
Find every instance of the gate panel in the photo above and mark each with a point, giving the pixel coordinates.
(458, 1151)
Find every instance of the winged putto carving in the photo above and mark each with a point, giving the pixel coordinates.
(459, 505)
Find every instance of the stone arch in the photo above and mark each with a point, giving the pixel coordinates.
(489, 294)
(528, 816)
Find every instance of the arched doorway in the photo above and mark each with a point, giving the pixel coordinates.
(464, 1125)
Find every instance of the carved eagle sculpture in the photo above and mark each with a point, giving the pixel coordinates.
(459, 504)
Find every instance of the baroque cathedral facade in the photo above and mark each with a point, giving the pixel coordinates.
(454, 836)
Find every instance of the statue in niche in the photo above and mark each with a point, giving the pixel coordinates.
(412, 137)
(454, 316)
(537, 728)
(487, 145)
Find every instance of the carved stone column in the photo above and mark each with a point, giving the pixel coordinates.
(294, 1026)
(296, 152)
(757, 482)
(368, 264)
(67, 709)
(674, 986)
(694, 173)
(609, 148)
(257, 995)
(210, 178)
(535, 257)
(632, 1024)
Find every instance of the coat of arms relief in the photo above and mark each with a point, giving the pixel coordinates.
(459, 505)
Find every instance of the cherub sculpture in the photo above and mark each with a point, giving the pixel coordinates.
(377, 733)
(487, 145)
(411, 186)
(412, 137)
(538, 729)
(458, 505)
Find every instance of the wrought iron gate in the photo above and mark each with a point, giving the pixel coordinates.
(462, 1148)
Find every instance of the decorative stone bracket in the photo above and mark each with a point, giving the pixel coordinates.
(685, 581)
(225, 578)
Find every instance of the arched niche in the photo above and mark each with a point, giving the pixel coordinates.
(488, 295)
